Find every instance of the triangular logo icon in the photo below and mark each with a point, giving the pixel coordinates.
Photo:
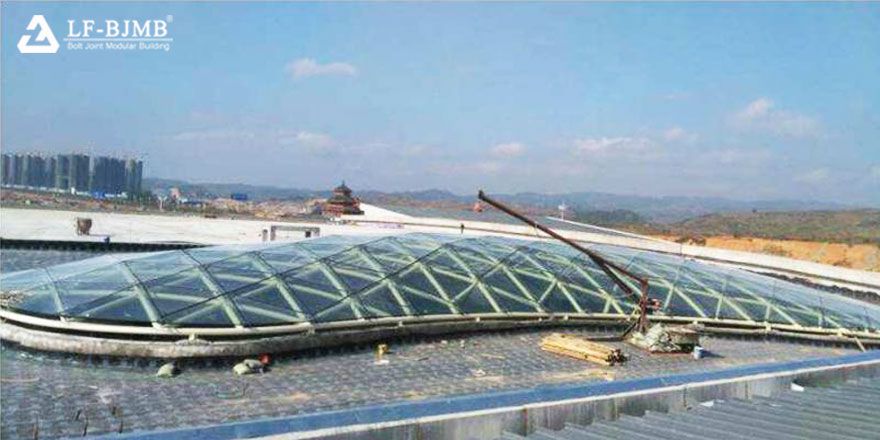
(45, 38)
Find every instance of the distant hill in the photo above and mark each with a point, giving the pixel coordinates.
(851, 226)
(654, 209)
(664, 209)
(213, 190)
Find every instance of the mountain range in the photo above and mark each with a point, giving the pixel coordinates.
(664, 209)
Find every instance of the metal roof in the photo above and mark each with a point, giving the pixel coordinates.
(847, 411)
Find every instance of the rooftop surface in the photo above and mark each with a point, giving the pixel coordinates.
(843, 412)
(68, 395)
(61, 392)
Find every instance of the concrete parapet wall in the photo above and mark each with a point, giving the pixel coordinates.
(85, 338)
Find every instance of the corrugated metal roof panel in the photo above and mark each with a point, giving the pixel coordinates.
(847, 411)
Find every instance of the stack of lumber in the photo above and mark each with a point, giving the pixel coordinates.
(580, 348)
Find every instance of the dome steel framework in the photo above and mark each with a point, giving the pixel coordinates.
(361, 278)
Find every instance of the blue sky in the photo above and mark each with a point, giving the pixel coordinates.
(747, 101)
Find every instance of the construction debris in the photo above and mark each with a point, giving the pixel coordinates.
(580, 348)
(168, 370)
(381, 351)
(248, 366)
(667, 339)
(83, 226)
(687, 337)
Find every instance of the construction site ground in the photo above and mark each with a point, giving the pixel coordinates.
(853, 256)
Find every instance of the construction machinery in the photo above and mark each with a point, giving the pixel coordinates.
(608, 267)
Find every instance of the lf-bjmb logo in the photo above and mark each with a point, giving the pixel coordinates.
(45, 41)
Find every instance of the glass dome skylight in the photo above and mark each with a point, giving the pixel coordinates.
(343, 278)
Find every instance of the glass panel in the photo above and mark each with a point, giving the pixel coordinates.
(341, 312)
(39, 300)
(420, 245)
(556, 301)
(522, 264)
(264, 304)
(323, 247)
(286, 257)
(379, 301)
(80, 267)
(123, 306)
(391, 255)
(236, 272)
(478, 264)
(497, 280)
(489, 250)
(23, 280)
(356, 279)
(474, 302)
(536, 286)
(416, 279)
(590, 303)
(510, 305)
(212, 254)
(422, 304)
(86, 287)
(314, 275)
(264, 310)
(157, 265)
(352, 258)
(265, 293)
(452, 284)
(179, 290)
(209, 314)
(443, 261)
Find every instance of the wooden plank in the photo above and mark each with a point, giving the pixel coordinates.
(579, 348)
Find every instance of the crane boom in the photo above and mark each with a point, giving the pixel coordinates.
(608, 267)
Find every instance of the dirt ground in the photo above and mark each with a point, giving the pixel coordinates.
(859, 256)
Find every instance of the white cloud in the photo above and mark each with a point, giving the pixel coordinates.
(818, 175)
(677, 96)
(757, 109)
(317, 143)
(489, 167)
(678, 134)
(874, 172)
(214, 135)
(306, 67)
(730, 156)
(611, 145)
(510, 149)
(419, 150)
(762, 115)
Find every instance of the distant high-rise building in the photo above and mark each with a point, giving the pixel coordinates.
(17, 162)
(49, 172)
(34, 171)
(107, 175)
(79, 172)
(6, 169)
(134, 173)
(26, 170)
(62, 172)
(73, 172)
